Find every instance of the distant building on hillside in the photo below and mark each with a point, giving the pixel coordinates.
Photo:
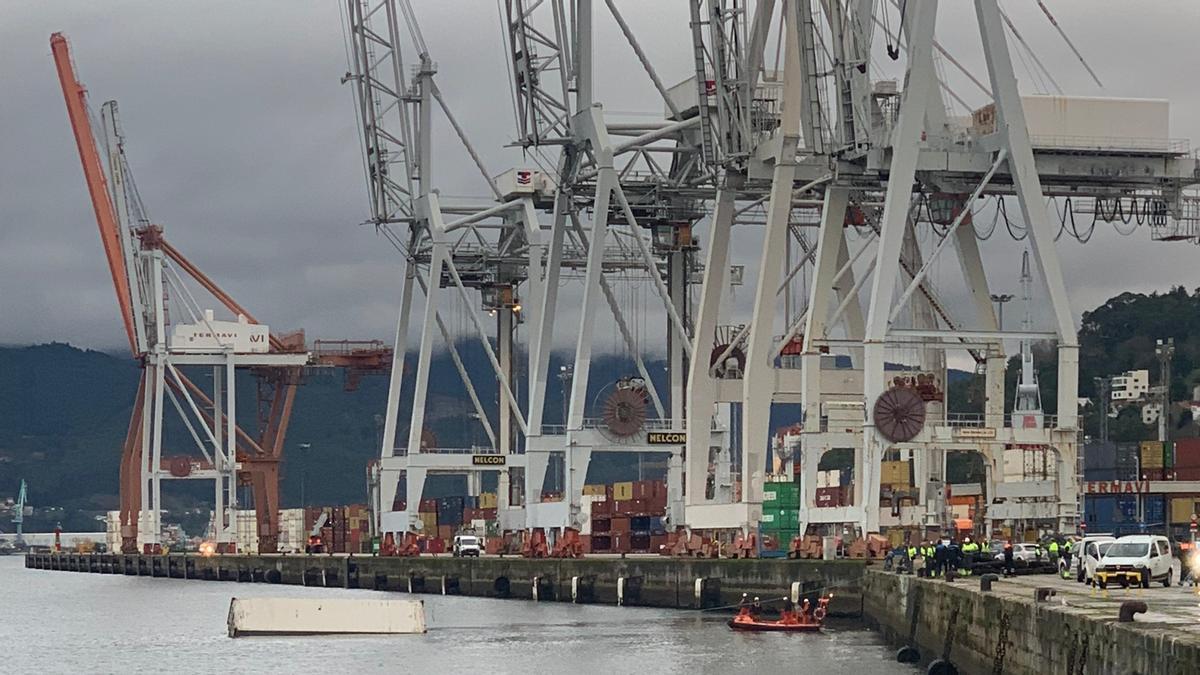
(1150, 413)
(1131, 385)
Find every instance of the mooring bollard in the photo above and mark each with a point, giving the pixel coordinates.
(908, 655)
(985, 582)
(1129, 608)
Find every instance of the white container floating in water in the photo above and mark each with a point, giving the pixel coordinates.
(321, 616)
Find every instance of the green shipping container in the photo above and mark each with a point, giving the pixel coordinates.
(1169, 455)
(780, 518)
(781, 496)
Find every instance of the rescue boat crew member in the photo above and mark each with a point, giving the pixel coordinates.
(756, 608)
(744, 605)
(788, 613)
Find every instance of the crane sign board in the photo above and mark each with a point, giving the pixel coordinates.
(211, 335)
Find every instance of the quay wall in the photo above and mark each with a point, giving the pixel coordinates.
(988, 632)
(648, 581)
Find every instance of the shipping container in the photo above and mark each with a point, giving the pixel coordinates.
(1187, 472)
(1168, 454)
(1100, 474)
(1182, 509)
(1152, 454)
(619, 523)
(602, 508)
(781, 495)
(1154, 511)
(450, 511)
(1152, 474)
(601, 525)
(600, 490)
(1098, 455)
(428, 506)
(487, 500)
(640, 523)
(639, 542)
(623, 491)
(1056, 121)
(601, 543)
(1187, 453)
(830, 496)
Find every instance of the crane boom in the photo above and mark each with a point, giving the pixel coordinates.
(93, 171)
(18, 519)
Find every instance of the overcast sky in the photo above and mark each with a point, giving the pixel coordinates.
(243, 145)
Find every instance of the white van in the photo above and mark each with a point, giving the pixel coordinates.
(1149, 554)
(1087, 555)
(465, 545)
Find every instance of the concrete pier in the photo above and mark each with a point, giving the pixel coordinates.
(647, 580)
(1036, 624)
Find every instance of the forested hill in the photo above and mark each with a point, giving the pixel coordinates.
(64, 411)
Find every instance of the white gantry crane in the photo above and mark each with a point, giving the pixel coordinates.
(860, 186)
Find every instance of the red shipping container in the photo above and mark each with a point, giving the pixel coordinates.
(1152, 474)
(428, 506)
(600, 543)
(1187, 453)
(619, 523)
(486, 514)
(585, 543)
(620, 542)
(657, 542)
(445, 531)
(632, 506)
(1187, 473)
(830, 496)
(603, 508)
(601, 525)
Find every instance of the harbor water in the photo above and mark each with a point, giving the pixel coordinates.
(63, 622)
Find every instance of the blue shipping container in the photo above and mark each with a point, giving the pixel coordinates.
(1099, 474)
(1154, 511)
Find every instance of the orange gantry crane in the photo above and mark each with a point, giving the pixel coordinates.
(147, 272)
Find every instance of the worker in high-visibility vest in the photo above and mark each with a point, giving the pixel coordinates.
(1053, 549)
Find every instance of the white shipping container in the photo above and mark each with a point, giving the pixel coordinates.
(1089, 122)
(292, 534)
(246, 532)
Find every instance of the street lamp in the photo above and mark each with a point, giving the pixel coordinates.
(303, 472)
(1001, 299)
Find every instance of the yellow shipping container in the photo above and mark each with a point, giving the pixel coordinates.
(598, 490)
(1182, 509)
(428, 523)
(623, 491)
(894, 473)
(1152, 454)
(487, 500)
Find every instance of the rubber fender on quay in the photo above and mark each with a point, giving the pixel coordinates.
(941, 667)
(908, 655)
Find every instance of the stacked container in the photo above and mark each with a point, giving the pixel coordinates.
(781, 513)
(1187, 459)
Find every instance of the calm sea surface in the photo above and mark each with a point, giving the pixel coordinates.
(58, 622)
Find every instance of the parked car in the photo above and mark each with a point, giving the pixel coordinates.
(1087, 555)
(1149, 554)
(465, 545)
(1026, 552)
